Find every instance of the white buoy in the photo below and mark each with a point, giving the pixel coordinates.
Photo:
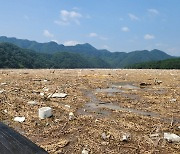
(45, 112)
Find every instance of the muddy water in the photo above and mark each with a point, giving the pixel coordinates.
(108, 90)
(95, 104)
(97, 107)
(125, 85)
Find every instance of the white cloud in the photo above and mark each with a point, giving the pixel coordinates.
(133, 17)
(71, 43)
(93, 35)
(149, 37)
(67, 17)
(153, 11)
(47, 33)
(125, 29)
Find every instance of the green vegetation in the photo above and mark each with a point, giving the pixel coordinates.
(84, 55)
(12, 56)
(164, 64)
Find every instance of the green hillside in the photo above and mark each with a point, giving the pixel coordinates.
(12, 56)
(94, 58)
(164, 64)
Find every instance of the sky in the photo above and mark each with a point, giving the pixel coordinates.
(116, 25)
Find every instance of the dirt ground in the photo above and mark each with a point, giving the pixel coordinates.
(109, 105)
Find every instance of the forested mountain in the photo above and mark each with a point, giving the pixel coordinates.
(93, 57)
(12, 56)
(173, 63)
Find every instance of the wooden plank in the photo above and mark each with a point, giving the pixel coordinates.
(13, 142)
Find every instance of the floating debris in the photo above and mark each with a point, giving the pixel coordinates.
(25, 73)
(144, 84)
(104, 136)
(19, 119)
(126, 137)
(170, 137)
(45, 89)
(68, 106)
(85, 150)
(32, 102)
(154, 135)
(1, 91)
(104, 143)
(45, 112)
(144, 114)
(37, 79)
(173, 100)
(4, 83)
(42, 94)
(63, 143)
(35, 91)
(156, 81)
(71, 116)
(57, 95)
(96, 120)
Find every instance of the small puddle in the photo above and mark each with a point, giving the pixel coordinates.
(160, 91)
(126, 85)
(114, 89)
(97, 107)
(94, 111)
(94, 105)
(108, 90)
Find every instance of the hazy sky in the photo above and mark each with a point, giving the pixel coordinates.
(116, 25)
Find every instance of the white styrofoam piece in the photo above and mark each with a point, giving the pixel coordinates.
(19, 119)
(171, 137)
(45, 112)
(71, 116)
(58, 95)
(32, 102)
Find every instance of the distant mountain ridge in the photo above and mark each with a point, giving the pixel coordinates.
(173, 63)
(109, 59)
(12, 56)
